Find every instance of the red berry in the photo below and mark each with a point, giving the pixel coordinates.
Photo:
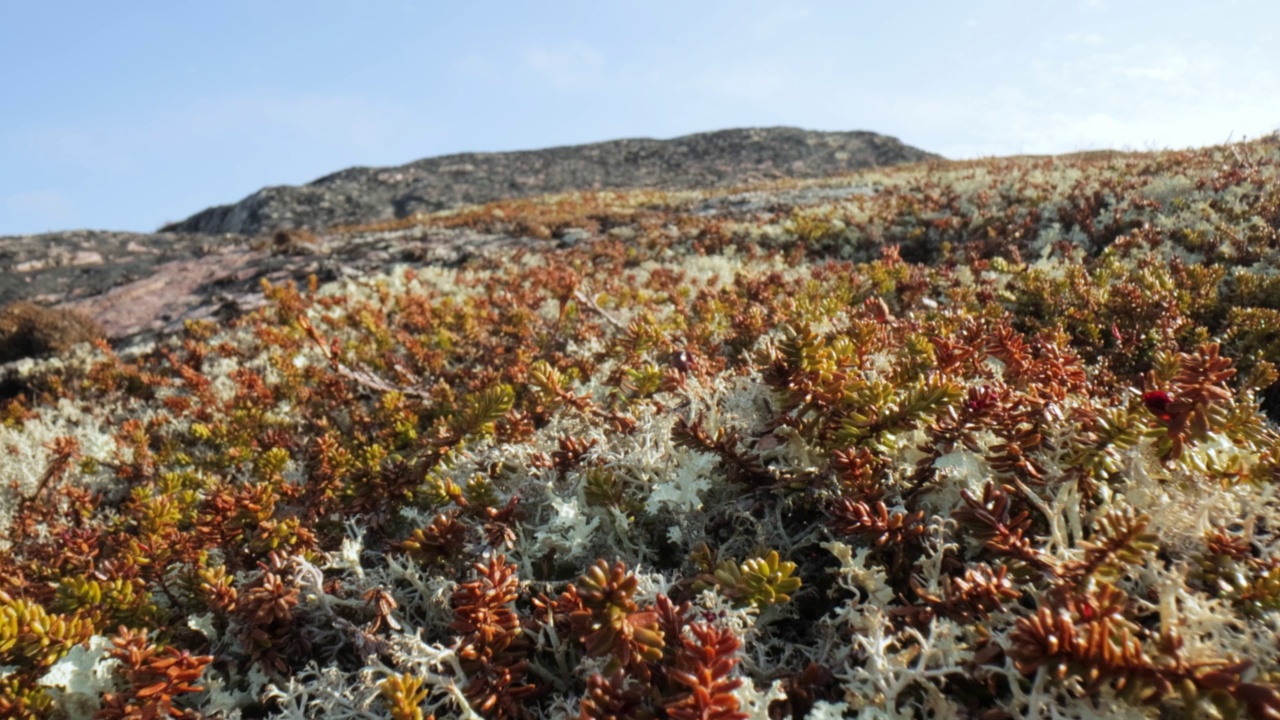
(1158, 403)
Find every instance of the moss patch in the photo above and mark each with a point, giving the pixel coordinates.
(30, 330)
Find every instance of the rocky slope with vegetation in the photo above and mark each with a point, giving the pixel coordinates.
(137, 286)
(980, 439)
(704, 160)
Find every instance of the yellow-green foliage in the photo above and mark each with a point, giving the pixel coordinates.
(31, 635)
(403, 695)
(760, 582)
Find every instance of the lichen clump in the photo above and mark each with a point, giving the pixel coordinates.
(989, 442)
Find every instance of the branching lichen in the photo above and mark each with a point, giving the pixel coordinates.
(995, 440)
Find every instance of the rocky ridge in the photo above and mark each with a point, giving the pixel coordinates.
(706, 160)
(137, 285)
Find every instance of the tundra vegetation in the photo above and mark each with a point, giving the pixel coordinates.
(991, 441)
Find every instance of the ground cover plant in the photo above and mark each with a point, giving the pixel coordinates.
(991, 441)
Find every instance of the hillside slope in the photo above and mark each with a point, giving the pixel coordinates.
(705, 160)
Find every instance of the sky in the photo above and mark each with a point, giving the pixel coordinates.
(127, 115)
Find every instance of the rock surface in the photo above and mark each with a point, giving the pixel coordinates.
(706, 160)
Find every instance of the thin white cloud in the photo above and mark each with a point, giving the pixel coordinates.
(40, 207)
(1086, 39)
(345, 123)
(573, 66)
(1172, 67)
(349, 120)
(1140, 96)
(1074, 96)
(476, 66)
(756, 82)
(89, 148)
(779, 19)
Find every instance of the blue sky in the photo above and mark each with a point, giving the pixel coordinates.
(126, 115)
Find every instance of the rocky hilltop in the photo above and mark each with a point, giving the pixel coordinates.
(704, 160)
(215, 261)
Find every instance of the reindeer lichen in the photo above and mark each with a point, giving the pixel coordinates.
(996, 440)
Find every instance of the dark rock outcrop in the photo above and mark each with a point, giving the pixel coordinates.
(62, 266)
(705, 160)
